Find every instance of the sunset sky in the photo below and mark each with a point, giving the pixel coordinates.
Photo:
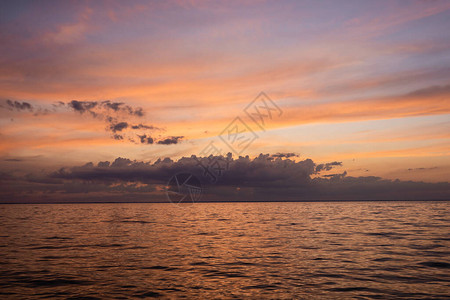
(365, 84)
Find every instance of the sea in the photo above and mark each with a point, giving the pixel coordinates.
(306, 250)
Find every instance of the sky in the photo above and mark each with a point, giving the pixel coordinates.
(330, 100)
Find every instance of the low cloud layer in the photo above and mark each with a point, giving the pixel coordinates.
(263, 178)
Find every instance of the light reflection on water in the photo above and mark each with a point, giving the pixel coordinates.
(225, 250)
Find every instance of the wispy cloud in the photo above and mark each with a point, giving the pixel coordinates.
(157, 78)
(113, 113)
(17, 105)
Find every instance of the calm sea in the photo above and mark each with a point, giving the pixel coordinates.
(360, 250)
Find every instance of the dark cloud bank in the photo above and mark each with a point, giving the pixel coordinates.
(265, 178)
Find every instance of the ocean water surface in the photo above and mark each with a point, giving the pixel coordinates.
(341, 250)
